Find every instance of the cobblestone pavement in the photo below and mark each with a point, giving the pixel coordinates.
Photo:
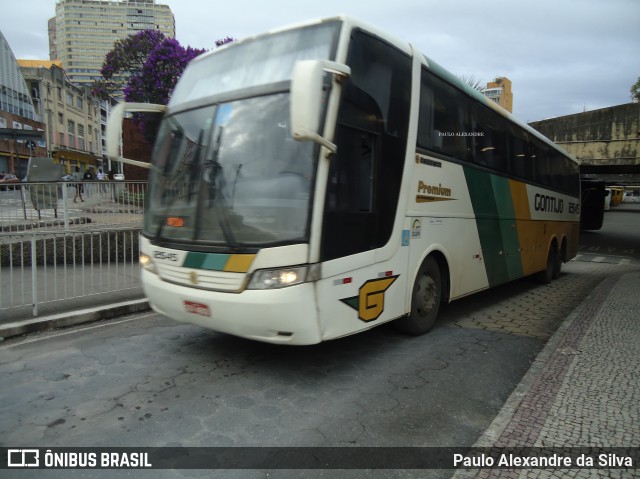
(583, 390)
(523, 308)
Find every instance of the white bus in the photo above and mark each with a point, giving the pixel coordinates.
(320, 180)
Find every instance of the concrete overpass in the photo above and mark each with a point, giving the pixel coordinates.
(606, 142)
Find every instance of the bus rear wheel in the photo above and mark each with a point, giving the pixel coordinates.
(552, 271)
(425, 300)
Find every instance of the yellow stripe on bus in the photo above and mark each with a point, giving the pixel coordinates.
(530, 233)
(239, 263)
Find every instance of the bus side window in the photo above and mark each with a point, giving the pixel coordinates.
(443, 122)
(490, 138)
(521, 164)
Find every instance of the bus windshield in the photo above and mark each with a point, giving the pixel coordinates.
(230, 175)
(255, 62)
(226, 171)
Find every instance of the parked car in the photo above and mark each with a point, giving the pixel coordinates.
(607, 199)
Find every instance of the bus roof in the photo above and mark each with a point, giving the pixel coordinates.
(409, 49)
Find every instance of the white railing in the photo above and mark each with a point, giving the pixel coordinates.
(68, 205)
(54, 249)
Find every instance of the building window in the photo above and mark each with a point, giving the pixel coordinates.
(61, 118)
(71, 128)
(81, 137)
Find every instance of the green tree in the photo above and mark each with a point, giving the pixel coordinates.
(635, 91)
(472, 82)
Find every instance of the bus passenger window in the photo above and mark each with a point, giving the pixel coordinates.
(490, 138)
(442, 123)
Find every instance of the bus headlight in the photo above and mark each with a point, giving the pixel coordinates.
(147, 263)
(282, 277)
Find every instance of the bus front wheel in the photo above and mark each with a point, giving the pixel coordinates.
(425, 300)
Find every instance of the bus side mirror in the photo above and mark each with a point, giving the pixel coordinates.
(307, 97)
(114, 128)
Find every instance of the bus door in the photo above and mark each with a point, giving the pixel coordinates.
(363, 188)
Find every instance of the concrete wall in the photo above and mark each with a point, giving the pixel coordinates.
(609, 136)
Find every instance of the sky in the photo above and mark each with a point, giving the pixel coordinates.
(562, 56)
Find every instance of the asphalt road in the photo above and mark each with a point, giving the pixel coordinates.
(619, 235)
(148, 381)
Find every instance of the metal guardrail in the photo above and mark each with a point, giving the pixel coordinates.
(62, 241)
(69, 205)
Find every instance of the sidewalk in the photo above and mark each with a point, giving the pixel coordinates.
(583, 390)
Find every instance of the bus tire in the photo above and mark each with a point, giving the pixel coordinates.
(425, 300)
(557, 266)
(559, 260)
(548, 274)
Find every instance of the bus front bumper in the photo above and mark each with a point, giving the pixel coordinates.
(281, 316)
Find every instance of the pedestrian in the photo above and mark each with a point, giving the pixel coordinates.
(77, 177)
(88, 176)
(100, 176)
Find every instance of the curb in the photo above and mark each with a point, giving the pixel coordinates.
(558, 351)
(574, 325)
(63, 320)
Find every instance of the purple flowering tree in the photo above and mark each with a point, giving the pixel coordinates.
(156, 80)
(158, 76)
(225, 40)
(125, 60)
(150, 65)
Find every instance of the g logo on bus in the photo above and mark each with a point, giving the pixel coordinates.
(370, 301)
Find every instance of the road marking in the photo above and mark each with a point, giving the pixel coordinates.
(610, 259)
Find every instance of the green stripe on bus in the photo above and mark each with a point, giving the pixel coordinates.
(210, 261)
(491, 200)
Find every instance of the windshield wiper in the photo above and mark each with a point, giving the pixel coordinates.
(178, 180)
(213, 174)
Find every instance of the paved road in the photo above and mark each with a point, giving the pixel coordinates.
(618, 237)
(147, 381)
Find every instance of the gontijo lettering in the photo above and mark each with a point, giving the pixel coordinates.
(547, 203)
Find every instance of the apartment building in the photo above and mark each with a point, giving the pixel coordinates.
(84, 31)
(499, 91)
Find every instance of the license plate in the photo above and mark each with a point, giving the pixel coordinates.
(197, 308)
